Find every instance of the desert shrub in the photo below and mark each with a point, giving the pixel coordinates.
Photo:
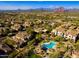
(56, 54)
(58, 38)
(13, 54)
(9, 41)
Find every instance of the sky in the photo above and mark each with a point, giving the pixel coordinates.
(13, 5)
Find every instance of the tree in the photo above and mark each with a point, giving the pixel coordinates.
(56, 54)
(58, 38)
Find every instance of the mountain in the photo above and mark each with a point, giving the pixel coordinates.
(60, 9)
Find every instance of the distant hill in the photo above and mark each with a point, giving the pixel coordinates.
(28, 10)
(43, 9)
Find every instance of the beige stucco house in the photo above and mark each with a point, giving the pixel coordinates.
(70, 33)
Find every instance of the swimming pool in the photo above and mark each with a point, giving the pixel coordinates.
(49, 45)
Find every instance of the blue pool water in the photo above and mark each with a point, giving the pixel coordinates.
(49, 45)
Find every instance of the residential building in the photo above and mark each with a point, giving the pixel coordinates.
(69, 33)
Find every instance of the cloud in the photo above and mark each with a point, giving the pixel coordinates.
(67, 7)
(11, 7)
(54, 6)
